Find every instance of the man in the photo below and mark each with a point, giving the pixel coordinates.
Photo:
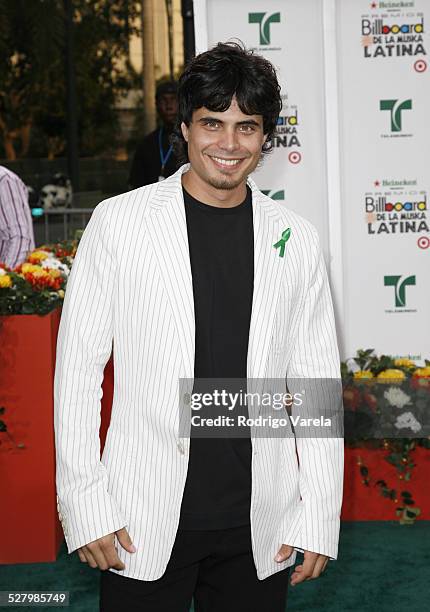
(193, 279)
(16, 226)
(154, 159)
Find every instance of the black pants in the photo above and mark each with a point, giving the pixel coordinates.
(215, 567)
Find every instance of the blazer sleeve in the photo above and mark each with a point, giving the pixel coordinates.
(315, 357)
(84, 343)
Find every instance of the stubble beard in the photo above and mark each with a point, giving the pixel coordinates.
(229, 184)
(225, 183)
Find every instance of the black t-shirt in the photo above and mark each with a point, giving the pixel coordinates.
(221, 242)
(146, 165)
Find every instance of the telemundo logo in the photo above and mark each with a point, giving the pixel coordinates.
(274, 194)
(399, 287)
(264, 20)
(396, 108)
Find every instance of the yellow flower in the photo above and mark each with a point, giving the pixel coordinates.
(40, 273)
(418, 372)
(61, 293)
(391, 375)
(404, 361)
(38, 256)
(5, 281)
(28, 267)
(54, 272)
(363, 374)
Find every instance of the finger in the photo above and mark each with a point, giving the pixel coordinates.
(111, 556)
(97, 553)
(306, 570)
(81, 556)
(319, 566)
(104, 552)
(89, 557)
(283, 553)
(124, 539)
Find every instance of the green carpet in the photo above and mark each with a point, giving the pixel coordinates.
(382, 566)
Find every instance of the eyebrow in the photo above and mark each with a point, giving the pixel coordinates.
(245, 122)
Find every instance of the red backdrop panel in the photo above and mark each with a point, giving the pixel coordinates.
(31, 530)
(362, 503)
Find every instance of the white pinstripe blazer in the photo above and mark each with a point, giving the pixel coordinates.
(131, 285)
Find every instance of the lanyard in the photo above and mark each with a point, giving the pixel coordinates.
(163, 158)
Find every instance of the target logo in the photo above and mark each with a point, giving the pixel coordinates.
(294, 157)
(423, 242)
(420, 65)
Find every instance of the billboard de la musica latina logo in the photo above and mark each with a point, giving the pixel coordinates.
(399, 284)
(395, 111)
(394, 29)
(265, 21)
(397, 206)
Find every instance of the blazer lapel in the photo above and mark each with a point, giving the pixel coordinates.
(268, 270)
(168, 232)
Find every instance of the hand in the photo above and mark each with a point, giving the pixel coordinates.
(313, 565)
(102, 553)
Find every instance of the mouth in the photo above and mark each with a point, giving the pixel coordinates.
(226, 163)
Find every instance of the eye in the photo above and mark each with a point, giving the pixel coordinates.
(211, 123)
(247, 128)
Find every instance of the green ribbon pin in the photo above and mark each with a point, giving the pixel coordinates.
(281, 243)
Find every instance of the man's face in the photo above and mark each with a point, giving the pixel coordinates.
(168, 108)
(224, 147)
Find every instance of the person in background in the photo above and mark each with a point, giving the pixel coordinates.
(154, 159)
(16, 225)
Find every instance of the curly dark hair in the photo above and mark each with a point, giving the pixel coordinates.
(212, 79)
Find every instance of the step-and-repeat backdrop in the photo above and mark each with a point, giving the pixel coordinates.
(358, 173)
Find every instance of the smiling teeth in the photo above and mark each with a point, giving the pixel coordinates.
(227, 162)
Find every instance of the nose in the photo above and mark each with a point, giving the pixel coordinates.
(229, 140)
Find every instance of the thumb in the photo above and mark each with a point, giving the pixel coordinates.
(125, 540)
(283, 553)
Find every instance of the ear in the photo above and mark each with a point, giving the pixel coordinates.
(184, 130)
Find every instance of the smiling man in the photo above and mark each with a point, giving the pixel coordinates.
(225, 147)
(169, 518)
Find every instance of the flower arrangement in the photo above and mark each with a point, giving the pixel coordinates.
(385, 399)
(37, 285)
(383, 395)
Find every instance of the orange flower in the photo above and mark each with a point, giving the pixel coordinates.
(37, 256)
(421, 378)
(40, 279)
